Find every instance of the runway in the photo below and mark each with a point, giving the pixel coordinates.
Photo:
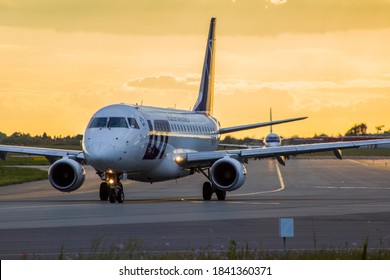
(335, 204)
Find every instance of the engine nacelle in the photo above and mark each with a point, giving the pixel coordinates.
(66, 175)
(228, 174)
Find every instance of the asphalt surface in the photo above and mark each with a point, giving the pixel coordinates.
(335, 204)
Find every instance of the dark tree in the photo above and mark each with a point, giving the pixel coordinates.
(357, 130)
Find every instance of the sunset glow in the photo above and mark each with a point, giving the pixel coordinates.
(61, 62)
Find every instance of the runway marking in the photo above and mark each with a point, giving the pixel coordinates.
(252, 203)
(282, 185)
(280, 177)
(333, 187)
(243, 202)
(42, 206)
(358, 162)
(370, 165)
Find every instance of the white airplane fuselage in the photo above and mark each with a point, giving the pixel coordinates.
(272, 140)
(142, 142)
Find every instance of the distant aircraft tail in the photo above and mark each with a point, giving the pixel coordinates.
(206, 91)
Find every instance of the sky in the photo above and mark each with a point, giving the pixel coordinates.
(61, 61)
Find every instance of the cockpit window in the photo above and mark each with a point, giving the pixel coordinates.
(133, 123)
(117, 122)
(98, 123)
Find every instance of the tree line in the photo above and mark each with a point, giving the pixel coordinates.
(19, 138)
(361, 130)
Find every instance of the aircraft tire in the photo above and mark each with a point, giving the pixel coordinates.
(104, 191)
(112, 197)
(207, 191)
(120, 196)
(221, 195)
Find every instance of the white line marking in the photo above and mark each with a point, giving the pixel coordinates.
(373, 164)
(347, 188)
(282, 185)
(42, 206)
(358, 162)
(280, 177)
(253, 203)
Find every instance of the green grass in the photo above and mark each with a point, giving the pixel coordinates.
(13, 159)
(16, 175)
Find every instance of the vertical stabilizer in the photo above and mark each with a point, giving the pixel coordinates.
(206, 90)
(270, 119)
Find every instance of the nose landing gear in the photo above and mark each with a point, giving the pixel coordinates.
(112, 188)
(117, 194)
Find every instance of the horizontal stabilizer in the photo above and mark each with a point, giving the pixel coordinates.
(256, 125)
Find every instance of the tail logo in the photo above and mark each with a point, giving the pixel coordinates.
(206, 90)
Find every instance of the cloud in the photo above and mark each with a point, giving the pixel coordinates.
(277, 2)
(306, 94)
(230, 85)
(311, 96)
(164, 83)
(167, 17)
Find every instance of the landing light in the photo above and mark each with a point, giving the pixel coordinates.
(111, 181)
(179, 159)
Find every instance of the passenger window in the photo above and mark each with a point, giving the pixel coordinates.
(117, 122)
(133, 123)
(98, 123)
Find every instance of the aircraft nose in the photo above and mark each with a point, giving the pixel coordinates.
(101, 155)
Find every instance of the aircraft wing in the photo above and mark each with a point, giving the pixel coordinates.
(256, 125)
(206, 159)
(47, 152)
(237, 146)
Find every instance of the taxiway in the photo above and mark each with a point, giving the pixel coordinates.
(335, 204)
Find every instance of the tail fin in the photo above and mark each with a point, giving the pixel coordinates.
(270, 119)
(206, 91)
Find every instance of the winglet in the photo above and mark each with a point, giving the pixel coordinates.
(206, 90)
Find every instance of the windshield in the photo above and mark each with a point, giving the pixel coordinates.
(98, 123)
(117, 122)
(133, 123)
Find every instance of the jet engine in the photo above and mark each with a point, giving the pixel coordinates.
(228, 174)
(66, 175)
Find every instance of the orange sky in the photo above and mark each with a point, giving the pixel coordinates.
(328, 60)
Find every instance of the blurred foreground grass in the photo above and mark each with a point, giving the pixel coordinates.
(133, 250)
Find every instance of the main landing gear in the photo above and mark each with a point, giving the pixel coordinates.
(209, 189)
(112, 188)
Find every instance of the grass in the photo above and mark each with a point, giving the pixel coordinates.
(16, 175)
(379, 152)
(13, 159)
(133, 250)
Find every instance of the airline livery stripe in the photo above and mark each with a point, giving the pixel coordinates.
(165, 146)
(158, 139)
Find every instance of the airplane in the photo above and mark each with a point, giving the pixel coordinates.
(272, 139)
(150, 144)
